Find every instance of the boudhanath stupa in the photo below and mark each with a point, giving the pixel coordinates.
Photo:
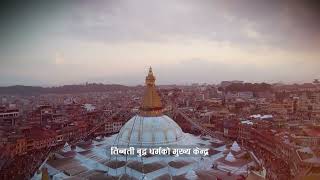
(150, 127)
(235, 147)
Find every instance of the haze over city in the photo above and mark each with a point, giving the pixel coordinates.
(160, 89)
(115, 41)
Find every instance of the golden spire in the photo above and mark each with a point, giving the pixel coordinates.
(151, 102)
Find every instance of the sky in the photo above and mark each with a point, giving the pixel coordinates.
(51, 43)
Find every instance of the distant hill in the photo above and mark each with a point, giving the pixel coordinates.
(253, 87)
(34, 90)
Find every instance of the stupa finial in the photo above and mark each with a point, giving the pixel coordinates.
(150, 79)
(151, 103)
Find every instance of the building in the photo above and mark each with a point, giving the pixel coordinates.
(112, 127)
(8, 116)
(149, 128)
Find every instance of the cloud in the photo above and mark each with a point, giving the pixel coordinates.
(285, 23)
(252, 33)
(59, 58)
(119, 37)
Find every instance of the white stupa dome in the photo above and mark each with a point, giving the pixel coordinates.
(235, 147)
(230, 157)
(154, 130)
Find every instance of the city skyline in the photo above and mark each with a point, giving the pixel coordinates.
(58, 43)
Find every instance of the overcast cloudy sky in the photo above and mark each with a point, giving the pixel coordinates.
(115, 41)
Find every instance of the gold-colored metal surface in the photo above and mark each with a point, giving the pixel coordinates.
(151, 102)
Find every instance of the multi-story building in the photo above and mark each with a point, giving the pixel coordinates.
(113, 126)
(8, 117)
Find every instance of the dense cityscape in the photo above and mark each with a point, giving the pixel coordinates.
(160, 90)
(279, 123)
